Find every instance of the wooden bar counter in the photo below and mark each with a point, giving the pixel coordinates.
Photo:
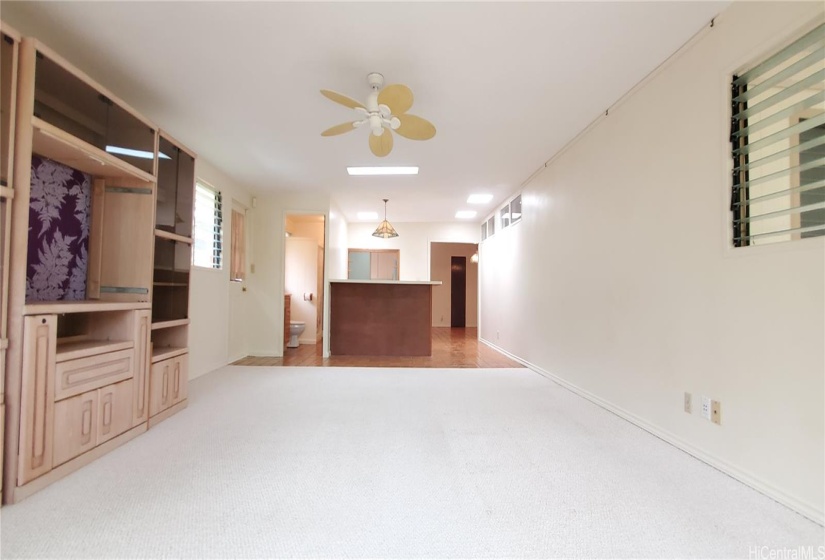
(380, 318)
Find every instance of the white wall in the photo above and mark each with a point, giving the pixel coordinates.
(338, 237)
(441, 269)
(413, 242)
(211, 292)
(336, 259)
(619, 279)
(266, 284)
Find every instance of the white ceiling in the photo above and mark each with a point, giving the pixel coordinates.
(506, 84)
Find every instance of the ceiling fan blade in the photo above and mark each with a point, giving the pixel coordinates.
(381, 145)
(398, 97)
(341, 98)
(415, 128)
(339, 129)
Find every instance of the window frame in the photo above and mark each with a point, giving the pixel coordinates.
(741, 215)
(237, 243)
(217, 227)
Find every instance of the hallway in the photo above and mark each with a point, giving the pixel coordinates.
(452, 348)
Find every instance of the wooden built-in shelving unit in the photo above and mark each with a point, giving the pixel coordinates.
(9, 51)
(101, 362)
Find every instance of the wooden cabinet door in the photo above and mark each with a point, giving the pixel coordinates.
(160, 397)
(75, 426)
(179, 382)
(37, 397)
(115, 410)
(140, 389)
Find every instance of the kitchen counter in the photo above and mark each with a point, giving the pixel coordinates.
(381, 317)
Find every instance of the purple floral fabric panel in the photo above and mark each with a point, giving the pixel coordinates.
(58, 232)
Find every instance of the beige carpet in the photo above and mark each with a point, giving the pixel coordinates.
(380, 463)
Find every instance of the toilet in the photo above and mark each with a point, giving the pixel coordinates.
(296, 328)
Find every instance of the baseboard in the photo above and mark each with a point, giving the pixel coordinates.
(234, 359)
(161, 416)
(808, 510)
(23, 492)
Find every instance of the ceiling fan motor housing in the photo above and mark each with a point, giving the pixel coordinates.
(375, 80)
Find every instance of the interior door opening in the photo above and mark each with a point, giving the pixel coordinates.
(304, 283)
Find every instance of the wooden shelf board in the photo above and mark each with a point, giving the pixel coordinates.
(87, 306)
(82, 348)
(173, 236)
(169, 324)
(165, 352)
(56, 144)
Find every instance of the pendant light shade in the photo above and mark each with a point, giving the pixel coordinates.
(385, 229)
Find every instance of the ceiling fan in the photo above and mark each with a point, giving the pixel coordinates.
(385, 110)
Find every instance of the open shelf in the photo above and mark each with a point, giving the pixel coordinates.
(86, 306)
(58, 145)
(173, 236)
(169, 324)
(71, 350)
(166, 352)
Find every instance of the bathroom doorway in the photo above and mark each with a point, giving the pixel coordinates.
(304, 257)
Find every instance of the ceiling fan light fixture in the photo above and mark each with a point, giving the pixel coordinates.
(385, 107)
(385, 229)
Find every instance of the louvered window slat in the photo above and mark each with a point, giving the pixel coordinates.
(778, 145)
(208, 232)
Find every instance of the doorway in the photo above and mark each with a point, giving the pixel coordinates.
(453, 265)
(304, 257)
(458, 292)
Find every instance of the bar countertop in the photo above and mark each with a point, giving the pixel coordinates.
(402, 282)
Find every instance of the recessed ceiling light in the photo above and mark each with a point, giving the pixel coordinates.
(480, 198)
(367, 215)
(464, 214)
(382, 170)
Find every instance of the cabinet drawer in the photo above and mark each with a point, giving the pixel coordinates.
(168, 383)
(75, 426)
(78, 376)
(160, 398)
(179, 381)
(115, 410)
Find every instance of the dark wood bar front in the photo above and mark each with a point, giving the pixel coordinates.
(380, 318)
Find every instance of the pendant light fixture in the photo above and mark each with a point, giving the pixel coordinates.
(384, 229)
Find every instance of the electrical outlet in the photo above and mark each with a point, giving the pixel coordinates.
(687, 402)
(706, 407)
(716, 412)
